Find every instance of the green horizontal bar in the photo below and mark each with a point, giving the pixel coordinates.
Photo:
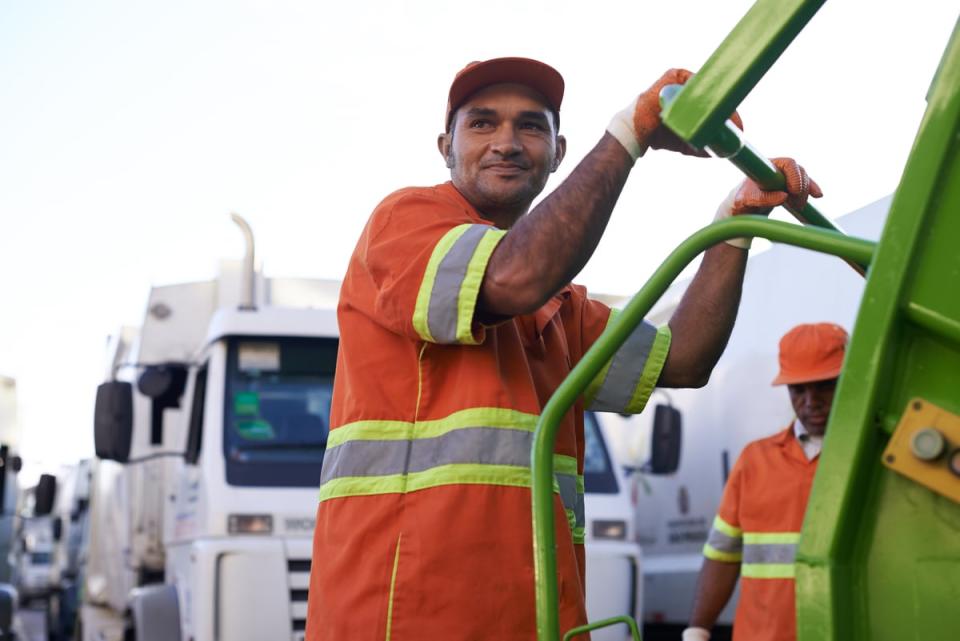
(736, 67)
(541, 456)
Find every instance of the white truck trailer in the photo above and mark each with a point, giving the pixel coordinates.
(784, 286)
(210, 430)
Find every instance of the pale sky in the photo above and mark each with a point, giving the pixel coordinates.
(128, 131)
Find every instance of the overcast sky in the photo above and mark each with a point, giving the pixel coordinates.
(128, 131)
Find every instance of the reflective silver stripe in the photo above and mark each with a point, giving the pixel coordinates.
(769, 552)
(572, 497)
(724, 542)
(445, 295)
(568, 490)
(477, 445)
(625, 371)
(579, 511)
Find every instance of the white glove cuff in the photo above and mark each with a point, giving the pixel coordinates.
(621, 128)
(724, 211)
(696, 634)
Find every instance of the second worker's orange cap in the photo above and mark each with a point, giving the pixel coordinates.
(811, 352)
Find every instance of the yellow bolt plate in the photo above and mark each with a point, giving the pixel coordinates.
(932, 474)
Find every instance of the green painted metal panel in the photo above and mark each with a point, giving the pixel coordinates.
(879, 554)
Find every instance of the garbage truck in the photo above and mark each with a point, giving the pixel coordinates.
(879, 551)
(210, 427)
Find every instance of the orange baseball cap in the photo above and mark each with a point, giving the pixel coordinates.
(811, 352)
(534, 74)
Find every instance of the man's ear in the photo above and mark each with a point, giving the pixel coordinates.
(561, 152)
(444, 142)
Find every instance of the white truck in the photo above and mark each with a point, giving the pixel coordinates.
(210, 431)
(69, 526)
(784, 286)
(10, 464)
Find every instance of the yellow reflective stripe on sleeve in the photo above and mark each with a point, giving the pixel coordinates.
(768, 570)
(456, 474)
(571, 519)
(563, 464)
(717, 555)
(496, 417)
(591, 392)
(753, 538)
(651, 370)
(579, 535)
(726, 528)
(426, 285)
(470, 289)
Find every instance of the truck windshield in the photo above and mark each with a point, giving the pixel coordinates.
(277, 411)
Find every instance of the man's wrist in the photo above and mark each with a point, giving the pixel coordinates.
(694, 633)
(724, 211)
(621, 127)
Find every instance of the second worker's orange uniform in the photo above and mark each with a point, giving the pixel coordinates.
(758, 525)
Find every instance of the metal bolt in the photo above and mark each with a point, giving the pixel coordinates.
(954, 462)
(927, 444)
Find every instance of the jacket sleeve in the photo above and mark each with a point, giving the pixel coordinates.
(725, 541)
(626, 381)
(426, 258)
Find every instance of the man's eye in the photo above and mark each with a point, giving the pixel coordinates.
(479, 124)
(533, 125)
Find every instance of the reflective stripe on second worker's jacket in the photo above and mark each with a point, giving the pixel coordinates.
(489, 446)
(769, 555)
(627, 380)
(448, 292)
(725, 542)
(764, 555)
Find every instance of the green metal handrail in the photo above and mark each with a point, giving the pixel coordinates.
(541, 456)
(727, 142)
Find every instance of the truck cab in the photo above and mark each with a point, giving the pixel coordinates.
(210, 433)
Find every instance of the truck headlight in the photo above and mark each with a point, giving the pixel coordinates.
(250, 524)
(610, 530)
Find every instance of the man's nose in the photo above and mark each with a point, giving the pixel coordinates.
(506, 141)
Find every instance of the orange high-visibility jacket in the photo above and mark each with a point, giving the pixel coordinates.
(758, 525)
(424, 524)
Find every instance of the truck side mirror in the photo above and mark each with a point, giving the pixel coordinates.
(665, 440)
(113, 421)
(164, 385)
(45, 495)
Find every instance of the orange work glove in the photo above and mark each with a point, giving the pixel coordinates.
(748, 198)
(638, 126)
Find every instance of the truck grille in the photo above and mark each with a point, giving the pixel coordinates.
(299, 573)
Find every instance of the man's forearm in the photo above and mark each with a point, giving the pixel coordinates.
(715, 586)
(703, 320)
(546, 248)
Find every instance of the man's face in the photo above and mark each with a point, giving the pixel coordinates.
(501, 149)
(812, 403)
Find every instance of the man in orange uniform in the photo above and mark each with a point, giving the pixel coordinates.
(457, 323)
(757, 527)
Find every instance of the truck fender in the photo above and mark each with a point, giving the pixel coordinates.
(155, 611)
